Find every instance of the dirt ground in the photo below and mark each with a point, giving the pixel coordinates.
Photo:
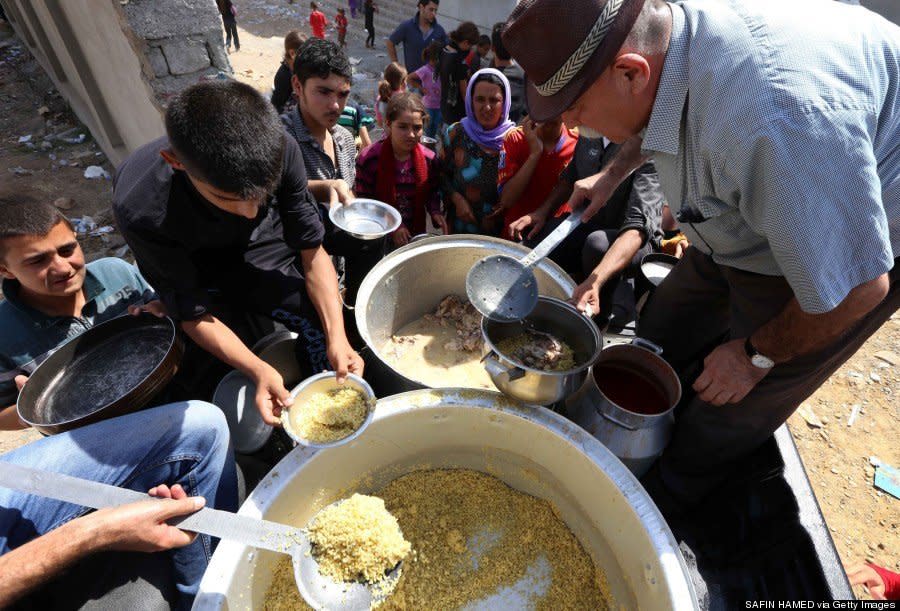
(864, 522)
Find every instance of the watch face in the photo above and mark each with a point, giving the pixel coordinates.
(763, 362)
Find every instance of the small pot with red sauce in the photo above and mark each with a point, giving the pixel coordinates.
(627, 403)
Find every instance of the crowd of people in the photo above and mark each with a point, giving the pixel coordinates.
(646, 122)
(495, 171)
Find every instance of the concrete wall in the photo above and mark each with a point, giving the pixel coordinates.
(181, 39)
(116, 64)
(83, 46)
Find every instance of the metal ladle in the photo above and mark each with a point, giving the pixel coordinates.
(320, 591)
(503, 288)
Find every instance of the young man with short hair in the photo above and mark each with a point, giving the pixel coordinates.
(51, 297)
(220, 220)
(415, 34)
(513, 72)
(321, 81)
(50, 294)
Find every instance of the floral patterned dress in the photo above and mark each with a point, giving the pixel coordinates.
(469, 170)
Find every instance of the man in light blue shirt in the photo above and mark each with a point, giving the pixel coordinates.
(415, 34)
(775, 128)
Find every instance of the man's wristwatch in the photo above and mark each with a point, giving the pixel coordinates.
(757, 359)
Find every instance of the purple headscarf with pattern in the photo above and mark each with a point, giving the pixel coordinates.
(487, 138)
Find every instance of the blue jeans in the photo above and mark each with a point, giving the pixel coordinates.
(434, 122)
(181, 443)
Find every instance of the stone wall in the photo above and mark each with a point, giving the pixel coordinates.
(182, 40)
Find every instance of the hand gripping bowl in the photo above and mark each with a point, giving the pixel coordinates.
(366, 219)
(323, 382)
(530, 448)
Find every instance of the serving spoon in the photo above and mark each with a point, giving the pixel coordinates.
(319, 591)
(503, 288)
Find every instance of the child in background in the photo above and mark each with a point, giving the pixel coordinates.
(369, 10)
(400, 171)
(317, 21)
(394, 82)
(340, 20)
(478, 57)
(283, 94)
(427, 80)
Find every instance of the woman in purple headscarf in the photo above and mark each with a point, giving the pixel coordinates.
(471, 153)
(354, 5)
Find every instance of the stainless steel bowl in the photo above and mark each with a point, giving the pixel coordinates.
(323, 382)
(366, 219)
(521, 382)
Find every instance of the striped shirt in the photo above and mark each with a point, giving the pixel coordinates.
(319, 165)
(776, 135)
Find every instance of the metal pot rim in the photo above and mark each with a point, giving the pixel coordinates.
(657, 530)
(409, 252)
(642, 417)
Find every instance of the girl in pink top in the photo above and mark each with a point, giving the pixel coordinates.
(427, 80)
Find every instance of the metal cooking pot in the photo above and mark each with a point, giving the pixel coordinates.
(636, 438)
(112, 369)
(534, 385)
(412, 280)
(530, 448)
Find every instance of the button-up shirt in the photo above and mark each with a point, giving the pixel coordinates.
(27, 336)
(776, 134)
(414, 40)
(184, 245)
(319, 165)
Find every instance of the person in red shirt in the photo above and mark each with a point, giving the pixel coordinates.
(340, 21)
(881, 583)
(317, 21)
(532, 159)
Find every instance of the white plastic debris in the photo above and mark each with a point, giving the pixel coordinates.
(854, 414)
(24, 139)
(95, 171)
(83, 225)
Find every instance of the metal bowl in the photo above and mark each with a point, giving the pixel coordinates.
(524, 383)
(114, 368)
(366, 219)
(323, 382)
(429, 142)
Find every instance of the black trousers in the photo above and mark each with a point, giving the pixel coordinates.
(698, 306)
(370, 39)
(231, 31)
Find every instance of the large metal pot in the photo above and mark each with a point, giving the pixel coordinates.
(412, 280)
(534, 385)
(530, 448)
(637, 432)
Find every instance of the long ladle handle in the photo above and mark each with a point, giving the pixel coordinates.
(553, 239)
(214, 522)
